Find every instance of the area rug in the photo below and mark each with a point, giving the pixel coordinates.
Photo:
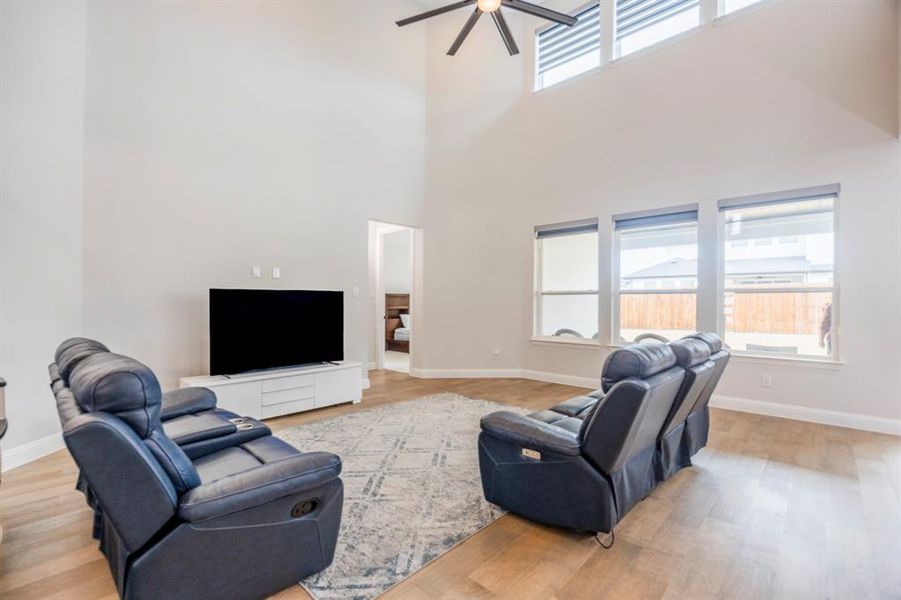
(411, 488)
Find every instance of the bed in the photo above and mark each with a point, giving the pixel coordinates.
(397, 322)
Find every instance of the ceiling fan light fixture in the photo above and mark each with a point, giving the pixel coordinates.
(493, 8)
(488, 6)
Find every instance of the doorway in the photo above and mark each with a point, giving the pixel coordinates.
(392, 276)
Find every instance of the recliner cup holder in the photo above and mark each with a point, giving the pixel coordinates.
(244, 426)
(237, 421)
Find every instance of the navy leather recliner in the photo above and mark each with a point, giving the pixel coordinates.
(584, 472)
(697, 424)
(559, 466)
(243, 521)
(190, 416)
(673, 453)
(690, 413)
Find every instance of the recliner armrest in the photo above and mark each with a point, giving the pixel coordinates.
(531, 433)
(187, 401)
(260, 485)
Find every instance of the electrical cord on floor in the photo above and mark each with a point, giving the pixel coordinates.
(607, 546)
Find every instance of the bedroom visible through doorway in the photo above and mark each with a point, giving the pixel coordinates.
(392, 263)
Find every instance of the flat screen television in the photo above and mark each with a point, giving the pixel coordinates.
(252, 330)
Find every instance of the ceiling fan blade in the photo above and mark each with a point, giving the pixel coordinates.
(467, 27)
(540, 11)
(504, 30)
(434, 12)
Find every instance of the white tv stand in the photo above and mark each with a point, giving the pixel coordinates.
(266, 394)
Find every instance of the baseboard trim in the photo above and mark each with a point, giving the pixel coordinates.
(810, 415)
(372, 366)
(33, 450)
(466, 373)
(574, 380)
(366, 384)
(759, 407)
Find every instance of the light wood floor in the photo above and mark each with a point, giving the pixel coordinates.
(772, 509)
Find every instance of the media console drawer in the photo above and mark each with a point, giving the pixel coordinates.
(289, 382)
(289, 395)
(286, 408)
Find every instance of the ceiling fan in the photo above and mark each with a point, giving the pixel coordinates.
(492, 7)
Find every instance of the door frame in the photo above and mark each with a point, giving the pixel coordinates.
(377, 232)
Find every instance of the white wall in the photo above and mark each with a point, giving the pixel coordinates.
(397, 268)
(42, 48)
(782, 96)
(209, 137)
(220, 136)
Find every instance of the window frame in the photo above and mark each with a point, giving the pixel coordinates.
(538, 293)
(617, 47)
(711, 14)
(787, 197)
(722, 14)
(536, 79)
(616, 338)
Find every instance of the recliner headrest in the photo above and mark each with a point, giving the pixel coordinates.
(712, 340)
(73, 351)
(121, 386)
(690, 351)
(638, 360)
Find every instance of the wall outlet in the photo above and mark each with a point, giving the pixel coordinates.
(355, 292)
(276, 272)
(256, 271)
(766, 381)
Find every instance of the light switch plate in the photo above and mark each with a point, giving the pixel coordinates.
(356, 292)
(276, 272)
(256, 271)
(535, 454)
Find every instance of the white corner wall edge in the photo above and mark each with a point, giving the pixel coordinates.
(811, 415)
(758, 407)
(33, 450)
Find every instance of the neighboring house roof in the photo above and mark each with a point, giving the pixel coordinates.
(684, 267)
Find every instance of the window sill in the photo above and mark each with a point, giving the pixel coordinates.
(578, 76)
(739, 12)
(801, 362)
(682, 35)
(559, 341)
(623, 59)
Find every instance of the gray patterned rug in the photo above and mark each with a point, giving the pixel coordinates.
(411, 488)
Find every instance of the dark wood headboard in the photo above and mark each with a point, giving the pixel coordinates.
(395, 305)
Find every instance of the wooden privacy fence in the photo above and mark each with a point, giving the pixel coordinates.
(774, 312)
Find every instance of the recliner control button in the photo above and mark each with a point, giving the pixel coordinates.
(304, 508)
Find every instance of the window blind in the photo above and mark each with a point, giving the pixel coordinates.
(652, 219)
(821, 191)
(634, 15)
(791, 218)
(560, 44)
(571, 228)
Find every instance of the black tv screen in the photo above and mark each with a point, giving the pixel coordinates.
(265, 329)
